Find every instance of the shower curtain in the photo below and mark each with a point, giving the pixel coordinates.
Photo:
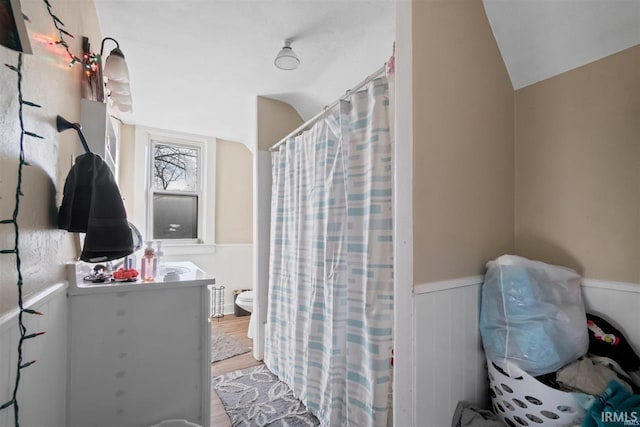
(329, 330)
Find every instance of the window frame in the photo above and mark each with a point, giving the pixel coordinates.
(141, 208)
(199, 193)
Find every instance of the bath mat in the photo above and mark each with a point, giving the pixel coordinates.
(224, 347)
(255, 397)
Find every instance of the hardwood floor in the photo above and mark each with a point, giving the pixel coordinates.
(237, 328)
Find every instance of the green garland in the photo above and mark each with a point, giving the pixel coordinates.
(16, 248)
(62, 32)
(16, 211)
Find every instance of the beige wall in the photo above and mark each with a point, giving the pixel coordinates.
(233, 184)
(578, 169)
(49, 82)
(463, 142)
(226, 255)
(275, 120)
(234, 193)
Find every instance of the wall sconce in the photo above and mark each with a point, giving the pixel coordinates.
(116, 74)
(113, 75)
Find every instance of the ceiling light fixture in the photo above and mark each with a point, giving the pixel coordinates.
(286, 58)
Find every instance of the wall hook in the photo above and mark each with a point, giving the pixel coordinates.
(63, 124)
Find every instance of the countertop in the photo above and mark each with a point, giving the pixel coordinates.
(170, 275)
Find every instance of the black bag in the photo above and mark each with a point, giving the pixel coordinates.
(611, 344)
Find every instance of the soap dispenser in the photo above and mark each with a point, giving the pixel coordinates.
(149, 267)
(159, 252)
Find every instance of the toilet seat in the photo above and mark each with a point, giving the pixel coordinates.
(245, 298)
(245, 302)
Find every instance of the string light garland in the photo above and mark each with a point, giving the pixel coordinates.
(15, 251)
(62, 33)
(91, 66)
(16, 248)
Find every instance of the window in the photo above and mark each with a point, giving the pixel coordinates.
(168, 180)
(175, 196)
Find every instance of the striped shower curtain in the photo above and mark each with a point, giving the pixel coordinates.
(329, 328)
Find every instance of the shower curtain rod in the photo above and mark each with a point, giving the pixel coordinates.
(329, 107)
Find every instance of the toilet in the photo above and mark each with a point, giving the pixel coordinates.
(245, 302)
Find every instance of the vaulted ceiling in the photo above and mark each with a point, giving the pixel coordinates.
(539, 39)
(197, 65)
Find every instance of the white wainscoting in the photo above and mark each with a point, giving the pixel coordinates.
(42, 394)
(617, 302)
(450, 363)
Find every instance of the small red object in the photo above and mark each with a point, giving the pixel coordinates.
(129, 274)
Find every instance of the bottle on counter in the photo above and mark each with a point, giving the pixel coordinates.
(149, 267)
(159, 252)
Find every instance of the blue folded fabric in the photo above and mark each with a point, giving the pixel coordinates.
(532, 314)
(615, 407)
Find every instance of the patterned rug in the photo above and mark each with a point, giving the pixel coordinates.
(255, 397)
(224, 347)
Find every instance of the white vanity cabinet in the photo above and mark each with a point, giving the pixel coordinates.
(101, 132)
(140, 353)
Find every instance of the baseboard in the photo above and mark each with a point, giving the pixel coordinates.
(229, 308)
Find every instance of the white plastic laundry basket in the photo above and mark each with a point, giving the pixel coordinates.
(521, 400)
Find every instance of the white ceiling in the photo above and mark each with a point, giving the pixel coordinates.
(539, 39)
(197, 65)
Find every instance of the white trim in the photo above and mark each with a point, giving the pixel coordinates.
(144, 137)
(175, 248)
(404, 375)
(261, 249)
(229, 308)
(614, 286)
(7, 320)
(425, 288)
(201, 149)
(170, 248)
